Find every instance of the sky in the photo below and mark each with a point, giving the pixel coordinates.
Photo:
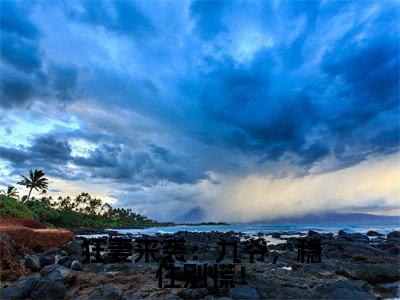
(247, 110)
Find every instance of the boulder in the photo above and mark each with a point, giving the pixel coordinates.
(73, 247)
(53, 251)
(111, 291)
(48, 290)
(32, 262)
(371, 273)
(391, 248)
(47, 260)
(312, 232)
(21, 289)
(76, 265)
(78, 257)
(63, 259)
(193, 293)
(345, 236)
(344, 289)
(67, 264)
(133, 295)
(358, 237)
(340, 294)
(276, 235)
(393, 236)
(59, 273)
(374, 233)
(244, 292)
(327, 236)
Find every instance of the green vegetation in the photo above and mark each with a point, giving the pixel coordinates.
(35, 181)
(13, 208)
(81, 211)
(10, 192)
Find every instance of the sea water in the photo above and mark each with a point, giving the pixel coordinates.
(252, 229)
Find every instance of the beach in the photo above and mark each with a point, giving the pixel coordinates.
(353, 265)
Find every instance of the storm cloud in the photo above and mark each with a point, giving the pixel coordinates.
(162, 96)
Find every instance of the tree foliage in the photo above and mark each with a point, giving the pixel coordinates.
(81, 211)
(36, 180)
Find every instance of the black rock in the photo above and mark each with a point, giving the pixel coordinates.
(371, 273)
(67, 264)
(73, 247)
(47, 260)
(62, 260)
(52, 251)
(344, 289)
(76, 265)
(327, 236)
(193, 293)
(374, 233)
(111, 291)
(393, 236)
(312, 232)
(47, 289)
(32, 262)
(276, 235)
(21, 289)
(59, 273)
(244, 292)
(358, 237)
(78, 257)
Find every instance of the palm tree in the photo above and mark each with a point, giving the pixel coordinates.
(11, 191)
(35, 181)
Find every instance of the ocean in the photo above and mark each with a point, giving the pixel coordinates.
(253, 229)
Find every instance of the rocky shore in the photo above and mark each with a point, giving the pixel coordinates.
(354, 266)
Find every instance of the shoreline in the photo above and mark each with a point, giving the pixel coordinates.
(244, 228)
(352, 264)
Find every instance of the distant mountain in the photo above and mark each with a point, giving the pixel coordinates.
(336, 218)
(195, 215)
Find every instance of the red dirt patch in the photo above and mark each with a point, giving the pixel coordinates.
(11, 266)
(21, 222)
(38, 239)
(20, 236)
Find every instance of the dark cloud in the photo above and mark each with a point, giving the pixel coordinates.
(14, 155)
(27, 74)
(20, 52)
(122, 17)
(161, 153)
(56, 82)
(115, 162)
(208, 16)
(14, 18)
(139, 167)
(64, 81)
(245, 114)
(369, 80)
(46, 152)
(248, 80)
(16, 90)
(314, 153)
(50, 146)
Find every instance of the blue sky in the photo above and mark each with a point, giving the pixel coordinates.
(171, 105)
